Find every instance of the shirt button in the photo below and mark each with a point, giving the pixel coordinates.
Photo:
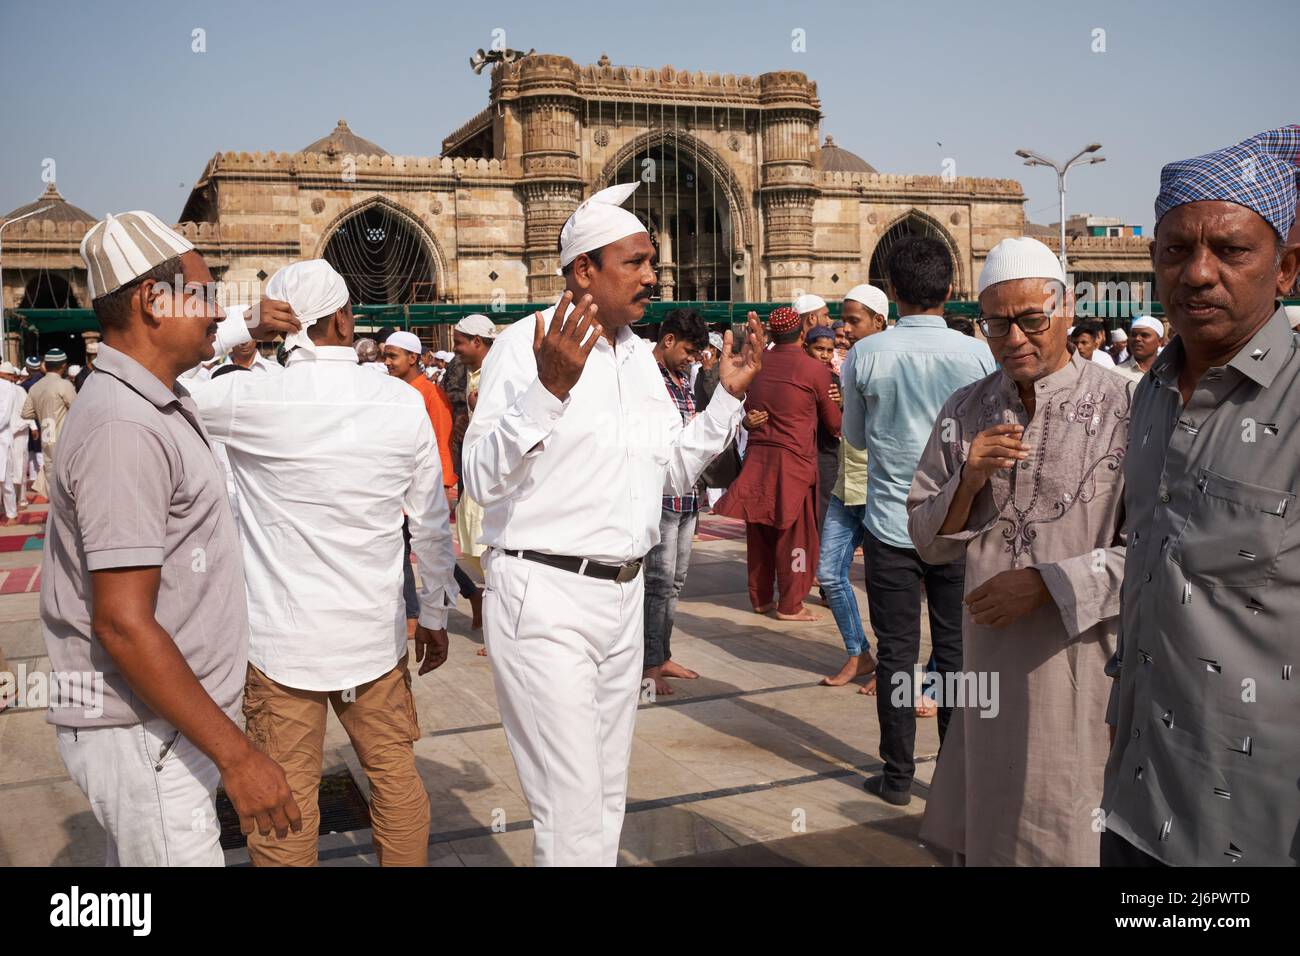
(1164, 496)
(1147, 576)
(1024, 466)
(1136, 733)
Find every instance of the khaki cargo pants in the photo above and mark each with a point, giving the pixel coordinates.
(288, 725)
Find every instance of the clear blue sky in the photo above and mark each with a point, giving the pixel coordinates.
(113, 93)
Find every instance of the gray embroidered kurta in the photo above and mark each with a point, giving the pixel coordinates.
(1206, 768)
(1022, 786)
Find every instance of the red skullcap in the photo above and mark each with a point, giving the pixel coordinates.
(784, 319)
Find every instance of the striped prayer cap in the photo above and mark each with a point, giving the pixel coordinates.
(1258, 173)
(124, 247)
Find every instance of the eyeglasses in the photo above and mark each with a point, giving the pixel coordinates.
(995, 327)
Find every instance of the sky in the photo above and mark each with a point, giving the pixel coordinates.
(118, 98)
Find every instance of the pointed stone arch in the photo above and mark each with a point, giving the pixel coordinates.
(919, 223)
(438, 271)
(705, 161)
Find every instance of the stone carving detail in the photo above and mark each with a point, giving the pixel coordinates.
(601, 138)
(318, 205)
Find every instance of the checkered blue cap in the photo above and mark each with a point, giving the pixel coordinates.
(1258, 173)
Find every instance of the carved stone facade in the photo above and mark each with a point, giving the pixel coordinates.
(782, 212)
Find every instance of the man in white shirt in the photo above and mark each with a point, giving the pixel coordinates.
(573, 442)
(1088, 338)
(325, 457)
(13, 440)
(1144, 343)
(247, 356)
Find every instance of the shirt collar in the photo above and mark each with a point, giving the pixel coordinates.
(131, 373)
(323, 353)
(1259, 359)
(1065, 376)
(921, 322)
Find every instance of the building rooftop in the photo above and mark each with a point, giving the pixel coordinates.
(343, 141)
(58, 209)
(837, 159)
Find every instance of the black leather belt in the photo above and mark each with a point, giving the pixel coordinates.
(621, 573)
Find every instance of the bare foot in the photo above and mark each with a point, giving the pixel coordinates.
(656, 674)
(925, 707)
(803, 614)
(860, 665)
(765, 608)
(869, 688)
(481, 652)
(670, 668)
(411, 622)
(476, 603)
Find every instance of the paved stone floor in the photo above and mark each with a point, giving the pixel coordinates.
(753, 764)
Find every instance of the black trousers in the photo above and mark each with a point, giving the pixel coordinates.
(894, 579)
(1116, 851)
(410, 596)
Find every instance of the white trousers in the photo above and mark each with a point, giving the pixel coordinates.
(12, 459)
(566, 655)
(152, 791)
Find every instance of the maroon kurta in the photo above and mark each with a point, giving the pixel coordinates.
(781, 457)
(776, 491)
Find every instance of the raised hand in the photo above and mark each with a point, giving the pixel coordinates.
(737, 371)
(561, 351)
(269, 318)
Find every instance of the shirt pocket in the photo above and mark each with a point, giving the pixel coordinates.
(1233, 532)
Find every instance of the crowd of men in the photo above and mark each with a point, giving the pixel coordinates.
(1113, 680)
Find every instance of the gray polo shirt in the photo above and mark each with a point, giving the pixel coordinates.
(136, 484)
(1207, 705)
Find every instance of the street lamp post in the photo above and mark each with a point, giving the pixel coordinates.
(1032, 158)
(4, 318)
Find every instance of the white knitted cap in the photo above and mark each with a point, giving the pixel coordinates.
(1020, 258)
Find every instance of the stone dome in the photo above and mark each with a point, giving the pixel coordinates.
(836, 159)
(57, 209)
(342, 141)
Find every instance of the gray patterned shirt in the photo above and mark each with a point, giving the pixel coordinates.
(1207, 705)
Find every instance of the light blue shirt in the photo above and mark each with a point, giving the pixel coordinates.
(894, 383)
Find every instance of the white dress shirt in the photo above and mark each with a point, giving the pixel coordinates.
(1102, 357)
(583, 477)
(325, 458)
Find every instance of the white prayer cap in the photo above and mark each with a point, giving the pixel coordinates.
(598, 221)
(873, 298)
(74, 371)
(1147, 322)
(121, 248)
(405, 340)
(445, 356)
(8, 368)
(716, 340)
(1022, 258)
(1118, 335)
(809, 303)
(477, 324)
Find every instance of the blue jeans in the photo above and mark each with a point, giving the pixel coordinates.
(841, 534)
(665, 574)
